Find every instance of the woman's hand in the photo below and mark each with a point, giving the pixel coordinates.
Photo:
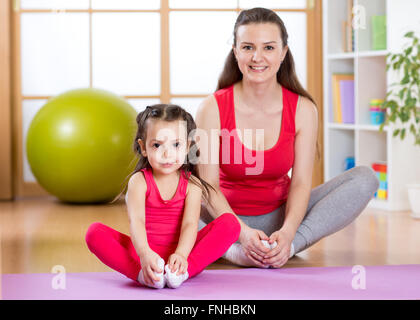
(149, 265)
(178, 262)
(279, 255)
(250, 240)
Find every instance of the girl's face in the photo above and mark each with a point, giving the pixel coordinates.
(259, 51)
(166, 145)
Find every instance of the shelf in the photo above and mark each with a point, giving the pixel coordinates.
(344, 55)
(371, 147)
(370, 127)
(357, 54)
(345, 126)
(348, 126)
(373, 53)
(343, 142)
(371, 84)
(363, 140)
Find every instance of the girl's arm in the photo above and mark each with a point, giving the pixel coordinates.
(135, 200)
(190, 220)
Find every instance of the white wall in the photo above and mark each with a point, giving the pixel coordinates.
(403, 16)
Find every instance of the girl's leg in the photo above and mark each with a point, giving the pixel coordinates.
(268, 223)
(114, 249)
(335, 204)
(212, 242)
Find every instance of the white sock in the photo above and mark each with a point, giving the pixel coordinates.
(292, 251)
(157, 284)
(236, 255)
(267, 245)
(274, 244)
(172, 279)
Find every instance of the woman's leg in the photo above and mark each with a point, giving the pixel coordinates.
(114, 249)
(335, 204)
(331, 207)
(268, 223)
(212, 242)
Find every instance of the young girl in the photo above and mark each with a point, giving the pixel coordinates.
(163, 201)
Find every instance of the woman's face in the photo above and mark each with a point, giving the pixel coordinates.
(259, 51)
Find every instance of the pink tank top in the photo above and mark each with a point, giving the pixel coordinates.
(255, 182)
(164, 217)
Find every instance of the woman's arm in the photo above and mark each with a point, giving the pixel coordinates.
(208, 124)
(305, 148)
(301, 184)
(207, 137)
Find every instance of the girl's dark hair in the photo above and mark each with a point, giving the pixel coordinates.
(168, 112)
(286, 75)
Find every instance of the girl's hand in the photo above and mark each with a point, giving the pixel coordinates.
(178, 262)
(149, 265)
(250, 240)
(279, 255)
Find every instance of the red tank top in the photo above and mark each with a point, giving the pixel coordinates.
(255, 182)
(163, 218)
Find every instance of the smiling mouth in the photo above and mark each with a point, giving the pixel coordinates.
(257, 69)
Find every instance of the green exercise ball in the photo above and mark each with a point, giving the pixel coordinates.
(79, 145)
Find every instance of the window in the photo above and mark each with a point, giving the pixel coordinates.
(146, 51)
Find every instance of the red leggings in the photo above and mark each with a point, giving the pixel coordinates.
(116, 250)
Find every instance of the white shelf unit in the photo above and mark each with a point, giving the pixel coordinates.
(362, 140)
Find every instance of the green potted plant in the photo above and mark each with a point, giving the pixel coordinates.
(403, 100)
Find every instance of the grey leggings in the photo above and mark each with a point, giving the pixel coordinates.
(331, 207)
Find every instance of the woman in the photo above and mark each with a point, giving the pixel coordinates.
(258, 89)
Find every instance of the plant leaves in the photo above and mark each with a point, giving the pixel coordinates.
(402, 134)
(401, 93)
(406, 79)
(393, 116)
(381, 127)
(402, 99)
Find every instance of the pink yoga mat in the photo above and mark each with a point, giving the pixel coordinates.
(335, 283)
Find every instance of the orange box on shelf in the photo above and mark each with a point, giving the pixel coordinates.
(379, 167)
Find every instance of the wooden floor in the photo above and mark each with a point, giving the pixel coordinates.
(40, 233)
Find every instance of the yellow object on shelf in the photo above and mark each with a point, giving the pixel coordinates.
(382, 194)
(336, 78)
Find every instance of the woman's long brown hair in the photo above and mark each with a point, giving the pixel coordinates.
(286, 75)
